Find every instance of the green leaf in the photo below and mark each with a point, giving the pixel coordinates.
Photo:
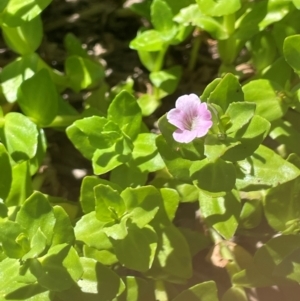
(21, 186)
(206, 175)
(250, 137)
(209, 89)
(13, 74)
(282, 208)
(296, 3)
(240, 114)
(173, 258)
(3, 5)
(26, 38)
(128, 175)
(289, 267)
(37, 245)
(36, 213)
(109, 204)
(89, 134)
(5, 175)
(148, 104)
(149, 40)
(171, 201)
(192, 15)
(219, 8)
(125, 111)
(73, 46)
(251, 277)
(271, 263)
(148, 60)
(106, 257)
(162, 19)
(251, 214)
(10, 278)
(89, 230)
(145, 153)
(38, 159)
(20, 136)
(276, 11)
(274, 252)
(38, 98)
(83, 73)
(215, 148)
(141, 203)
(248, 24)
(99, 281)
(197, 241)
(19, 11)
(104, 160)
(279, 72)
(191, 151)
(177, 166)
(222, 212)
(58, 269)
(137, 289)
(228, 90)
(235, 293)
(10, 237)
(264, 169)
(29, 292)
(285, 133)
(205, 291)
(291, 50)
(263, 49)
(63, 231)
(268, 97)
(167, 80)
(87, 198)
(136, 250)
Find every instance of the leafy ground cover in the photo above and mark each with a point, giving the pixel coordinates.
(149, 150)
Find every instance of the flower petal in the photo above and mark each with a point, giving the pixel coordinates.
(185, 101)
(184, 136)
(204, 112)
(203, 127)
(176, 117)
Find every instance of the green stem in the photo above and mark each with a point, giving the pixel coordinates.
(38, 181)
(225, 251)
(160, 291)
(63, 121)
(232, 266)
(229, 23)
(227, 48)
(160, 59)
(156, 93)
(195, 50)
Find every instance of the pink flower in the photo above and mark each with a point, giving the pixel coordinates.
(191, 117)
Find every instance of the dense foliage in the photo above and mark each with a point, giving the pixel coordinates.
(231, 158)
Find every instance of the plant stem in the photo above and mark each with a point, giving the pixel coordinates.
(229, 23)
(160, 59)
(232, 266)
(160, 291)
(195, 49)
(227, 48)
(63, 121)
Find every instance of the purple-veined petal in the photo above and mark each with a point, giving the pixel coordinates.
(191, 117)
(185, 101)
(184, 136)
(176, 117)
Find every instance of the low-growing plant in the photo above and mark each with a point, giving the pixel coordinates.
(232, 154)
